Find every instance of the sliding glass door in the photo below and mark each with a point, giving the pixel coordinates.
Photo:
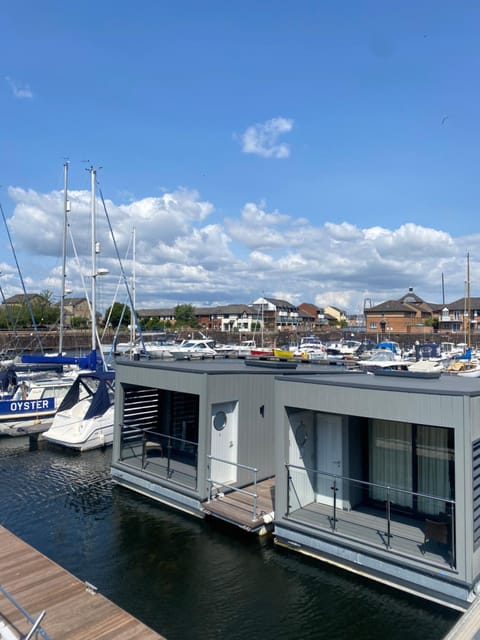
(412, 458)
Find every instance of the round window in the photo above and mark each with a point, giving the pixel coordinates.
(220, 420)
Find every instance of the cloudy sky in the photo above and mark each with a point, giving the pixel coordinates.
(314, 150)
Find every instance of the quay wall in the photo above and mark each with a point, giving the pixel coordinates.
(28, 341)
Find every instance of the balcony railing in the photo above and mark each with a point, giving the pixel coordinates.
(170, 458)
(214, 483)
(414, 524)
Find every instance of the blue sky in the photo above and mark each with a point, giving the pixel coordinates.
(315, 151)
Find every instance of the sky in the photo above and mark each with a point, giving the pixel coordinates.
(314, 151)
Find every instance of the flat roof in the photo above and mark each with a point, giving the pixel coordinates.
(446, 384)
(225, 366)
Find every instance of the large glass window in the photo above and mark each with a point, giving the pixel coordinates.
(414, 458)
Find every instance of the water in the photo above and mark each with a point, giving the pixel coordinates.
(188, 578)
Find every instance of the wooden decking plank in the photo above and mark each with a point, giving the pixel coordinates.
(237, 507)
(72, 611)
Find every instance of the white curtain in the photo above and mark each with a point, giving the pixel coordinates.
(391, 460)
(433, 461)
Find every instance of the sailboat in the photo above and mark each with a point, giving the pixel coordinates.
(84, 419)
(465, 365)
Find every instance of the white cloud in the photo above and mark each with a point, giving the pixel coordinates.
(19, 90)
(181, 256)
(262, 138)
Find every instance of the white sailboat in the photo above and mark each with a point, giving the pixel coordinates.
(84, 419)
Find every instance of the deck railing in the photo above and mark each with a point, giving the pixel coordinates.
(411, 522)
(172, 456)
(35, 630)
(215, 483)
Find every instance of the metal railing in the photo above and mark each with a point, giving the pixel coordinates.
(172, 454)
(414, 523)
(35, 629)
(218, 484)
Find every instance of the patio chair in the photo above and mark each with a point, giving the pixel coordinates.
(436, 531)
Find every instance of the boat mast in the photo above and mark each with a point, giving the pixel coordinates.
(133, 314)
(66, 209)
(93, 175)
(469, 310)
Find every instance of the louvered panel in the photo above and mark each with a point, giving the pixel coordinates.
(476, 493)
(141, 407)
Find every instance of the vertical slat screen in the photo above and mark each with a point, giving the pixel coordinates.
(476, 493)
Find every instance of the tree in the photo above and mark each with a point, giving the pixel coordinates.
(44, 310)
(118, 314)
(185, 316)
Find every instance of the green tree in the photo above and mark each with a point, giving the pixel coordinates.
(118, 314)
(185, 316)
(45, 311)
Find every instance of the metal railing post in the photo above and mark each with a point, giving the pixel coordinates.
(334, 488)
(289, 479)
(452, 537)
(255, 494)
(389, 535)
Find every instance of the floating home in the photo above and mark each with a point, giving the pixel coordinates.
(380, 475)
(198, 435)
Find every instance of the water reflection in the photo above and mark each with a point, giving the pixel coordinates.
(189, 578)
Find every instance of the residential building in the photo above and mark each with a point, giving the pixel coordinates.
(277, 315)
(409, 314)
(76, 308)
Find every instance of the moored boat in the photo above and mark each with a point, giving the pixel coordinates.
(84, 419)
(32, 405)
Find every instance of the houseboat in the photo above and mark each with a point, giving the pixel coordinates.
(380, 475)
(197, 434)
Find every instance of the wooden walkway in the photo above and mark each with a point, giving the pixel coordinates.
(238, 507)
(468, 626)
(73, 610)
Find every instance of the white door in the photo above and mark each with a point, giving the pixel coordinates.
(224, 442)
(301, 457)
(329, 457)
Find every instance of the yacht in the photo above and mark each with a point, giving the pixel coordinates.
(84, 419)
(29, 406)
(189, 349)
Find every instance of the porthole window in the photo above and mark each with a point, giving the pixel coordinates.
(220, 420)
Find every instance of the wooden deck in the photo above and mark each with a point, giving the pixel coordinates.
(468, 626)
(73, 610)
(238, 507)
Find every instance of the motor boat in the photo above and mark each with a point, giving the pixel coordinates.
(84, 419)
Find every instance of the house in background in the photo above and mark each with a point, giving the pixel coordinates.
(76, 308)
(228, 318)
(408, 314)
(335, 314)
(277, 315)
(453, 317)
(316, 313)
(156, 316)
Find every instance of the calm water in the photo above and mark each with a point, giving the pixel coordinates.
(188, 578)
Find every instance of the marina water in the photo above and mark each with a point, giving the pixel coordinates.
(189, 578)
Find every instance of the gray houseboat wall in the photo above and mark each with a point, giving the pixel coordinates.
(378, 475)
